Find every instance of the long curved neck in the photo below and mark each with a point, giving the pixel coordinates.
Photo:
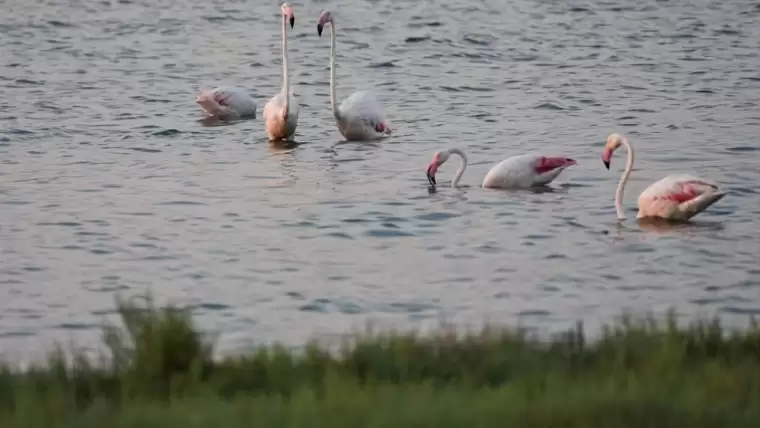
(285, 77)
(462, 166)
(623, 180)
(333, 96)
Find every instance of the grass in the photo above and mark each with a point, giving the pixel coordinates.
(159, 371)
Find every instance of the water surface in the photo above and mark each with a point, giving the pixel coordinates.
(110, 183)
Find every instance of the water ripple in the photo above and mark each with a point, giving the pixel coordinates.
(112, 181)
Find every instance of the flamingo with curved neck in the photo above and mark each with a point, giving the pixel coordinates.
(281, 112)
(359, 117)
(677, 197)
(522, 171)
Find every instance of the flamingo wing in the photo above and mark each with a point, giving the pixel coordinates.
(678, 197)
(544, 164)
(524, 171)
(678, 189)
(547, 168)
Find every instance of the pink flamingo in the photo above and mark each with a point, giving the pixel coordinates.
(676, 197)
(281, 112)
(360, 116)
(522, 171)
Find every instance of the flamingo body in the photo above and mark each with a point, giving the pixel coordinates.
(227, 102)
(525, 171)
(359, 117)
(281, 124)
(678, 197)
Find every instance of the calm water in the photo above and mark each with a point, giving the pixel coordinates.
(110, 183)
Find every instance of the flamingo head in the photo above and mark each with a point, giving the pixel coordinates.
(439, 158)
(324, 18)
(287, 14)
(613, 142)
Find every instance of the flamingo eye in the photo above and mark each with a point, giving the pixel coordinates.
(379, 127)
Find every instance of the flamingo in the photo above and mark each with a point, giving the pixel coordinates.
(227, 102)
(359, 117)
(522, 171)
(281, 112)
(677, 197)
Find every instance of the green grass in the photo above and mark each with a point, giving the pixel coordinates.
(160, 372)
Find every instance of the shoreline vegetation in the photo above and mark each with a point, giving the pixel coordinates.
(159, 372)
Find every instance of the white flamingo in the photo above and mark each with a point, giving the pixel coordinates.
(281, 112)
(359, 116)
(520, 172)
(227, 102)
(676, 197)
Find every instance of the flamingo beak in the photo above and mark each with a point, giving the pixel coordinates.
(430, 172)
(292, 21)
(606, 156)
(319, 30)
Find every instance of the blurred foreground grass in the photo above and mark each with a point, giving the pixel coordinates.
(160, 373)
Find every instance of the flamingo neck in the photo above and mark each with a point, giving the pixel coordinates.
(623, 180)
(333, 96)
(285, 78)
(462, 166)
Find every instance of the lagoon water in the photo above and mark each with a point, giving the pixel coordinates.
(110, 184)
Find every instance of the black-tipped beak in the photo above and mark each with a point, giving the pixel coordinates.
(430, 177)
(319, 30)
(606, 164)
(292, 21)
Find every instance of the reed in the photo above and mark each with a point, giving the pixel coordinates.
(159, 371)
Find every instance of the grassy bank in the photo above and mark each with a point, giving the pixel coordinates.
(159, 372)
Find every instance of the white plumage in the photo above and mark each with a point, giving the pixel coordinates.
(227, 102)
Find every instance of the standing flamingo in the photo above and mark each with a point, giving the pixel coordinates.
(522, 171)
(281, 112)
(676, 197)
(360, 116)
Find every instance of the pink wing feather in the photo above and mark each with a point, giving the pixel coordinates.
(680, 189)
(545, 164)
